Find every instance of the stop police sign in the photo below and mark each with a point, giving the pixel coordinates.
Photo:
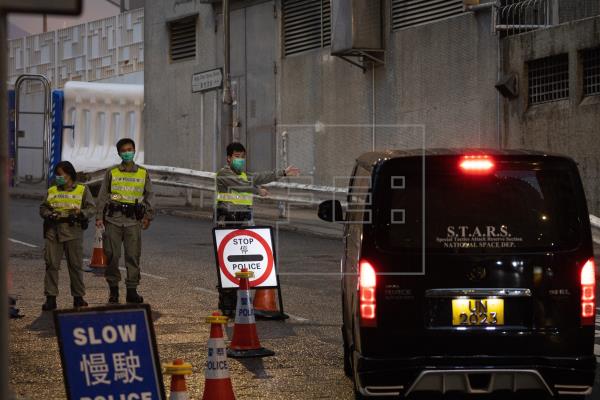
(250, 248)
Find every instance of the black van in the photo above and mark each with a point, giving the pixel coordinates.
(467, 271)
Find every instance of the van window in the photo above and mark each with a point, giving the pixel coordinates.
(359, 197)
(520, 206)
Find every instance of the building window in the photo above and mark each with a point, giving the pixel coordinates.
(306, 25)
(548, 79)
(591, 71)
(407, 13)
(182, 39)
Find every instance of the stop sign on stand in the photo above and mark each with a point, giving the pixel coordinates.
(248, 248)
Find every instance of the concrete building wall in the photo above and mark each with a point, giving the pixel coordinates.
(438, 79)
(436, 88)
(570, 10)
(134, 4)
(568, 126)
(179, 125)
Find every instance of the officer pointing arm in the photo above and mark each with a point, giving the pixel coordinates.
(235, 187)
(234, 200)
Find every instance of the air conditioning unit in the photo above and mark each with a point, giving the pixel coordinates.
(356, 31)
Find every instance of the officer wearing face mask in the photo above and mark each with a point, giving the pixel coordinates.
(124, 209)
(66, 211)
(234, 200)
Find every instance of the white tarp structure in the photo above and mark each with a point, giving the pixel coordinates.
(102, 113)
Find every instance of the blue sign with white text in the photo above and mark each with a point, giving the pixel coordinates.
(109, 353)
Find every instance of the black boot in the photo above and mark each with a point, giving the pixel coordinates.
(227, 301)
(50, 303)
(133, 296)
(78, 301)
(113, 297)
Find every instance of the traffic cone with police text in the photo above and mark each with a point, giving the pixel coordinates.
(217, 384)
(245, 341)
(178, 370)
(265, 305)
(98, 261)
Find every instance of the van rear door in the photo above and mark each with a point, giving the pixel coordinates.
(466, 250)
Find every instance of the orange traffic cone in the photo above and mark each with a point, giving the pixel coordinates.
(265, 306)
(245, 341)
(98, 257)
(178, 370)
(217, 384)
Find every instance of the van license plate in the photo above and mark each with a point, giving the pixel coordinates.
(477, 312)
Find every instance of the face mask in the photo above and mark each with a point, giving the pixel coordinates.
(127, 155)
(238, 164)
(61, 180)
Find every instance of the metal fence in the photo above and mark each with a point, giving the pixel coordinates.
(517, 16)
(92, 51)
(297, 192)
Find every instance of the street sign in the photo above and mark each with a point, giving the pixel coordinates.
(71, 7)
(109, 353)
(250, 248)
(208, 80)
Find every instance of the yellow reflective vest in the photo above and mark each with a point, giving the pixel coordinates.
(127, 187)
(63, 201)
(235, 197)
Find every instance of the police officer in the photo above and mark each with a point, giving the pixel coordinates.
(124, 209)
(66, 211)
(234, 190)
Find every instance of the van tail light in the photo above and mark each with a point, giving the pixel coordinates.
(588, 293)
(367, 285)
(480, 164)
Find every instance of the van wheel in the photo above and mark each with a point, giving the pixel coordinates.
(347, 362)
(354, 377)
(357, 394)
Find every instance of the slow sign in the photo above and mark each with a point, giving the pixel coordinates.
(109, 353)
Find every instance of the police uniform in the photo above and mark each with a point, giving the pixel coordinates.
(233, 208)
(125, 199)
(234, 194)
(63, 233)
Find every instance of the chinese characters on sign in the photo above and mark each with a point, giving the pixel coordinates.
(249, 248)
(208, 80)
(109, 353)
(96, 369)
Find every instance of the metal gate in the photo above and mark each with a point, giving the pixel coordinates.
(32, 127)
(253, 52)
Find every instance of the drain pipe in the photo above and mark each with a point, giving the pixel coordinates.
(480, 8)
(282, 206)
(498, 97)
(373, 108)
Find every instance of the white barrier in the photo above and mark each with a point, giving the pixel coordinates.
(102, 113)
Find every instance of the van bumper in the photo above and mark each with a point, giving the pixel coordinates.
(475, 375)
